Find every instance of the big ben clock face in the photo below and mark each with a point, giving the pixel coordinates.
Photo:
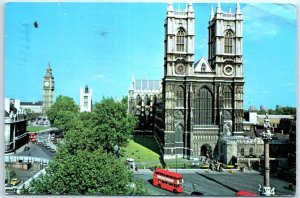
(47, 84)
(179, 69)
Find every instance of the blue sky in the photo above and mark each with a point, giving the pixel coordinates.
(104, 44)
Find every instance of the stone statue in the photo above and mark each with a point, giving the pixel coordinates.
(227, 128)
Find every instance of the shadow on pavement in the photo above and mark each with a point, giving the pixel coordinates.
(212, 179)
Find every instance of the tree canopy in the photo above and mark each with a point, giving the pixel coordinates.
(84, 164)
(111, 123)
(280, 111)
(62, 103)
(84, 172)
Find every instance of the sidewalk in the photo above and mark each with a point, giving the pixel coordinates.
(205, 171)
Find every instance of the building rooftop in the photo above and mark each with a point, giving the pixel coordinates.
(147, 84)
(38, 103)
(275, 116)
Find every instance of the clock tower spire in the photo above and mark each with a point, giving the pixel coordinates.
(48, 89)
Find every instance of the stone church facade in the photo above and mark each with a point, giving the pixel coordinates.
(201, 104)
(203, 100)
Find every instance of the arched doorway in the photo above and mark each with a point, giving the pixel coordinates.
(206, 150)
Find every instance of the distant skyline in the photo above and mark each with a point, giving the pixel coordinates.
(103, 45)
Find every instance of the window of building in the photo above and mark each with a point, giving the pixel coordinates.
(147, 100)
(180, 40)
(85, 101)
(138, 100)
(227, 97)
(203, 67)
(203, 107)
(251, 152)
(179, 97)
(242, 151)
(179, 133)
(212, 49)
(228, 42)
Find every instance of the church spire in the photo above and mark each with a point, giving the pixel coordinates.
(190, 8)
(212, 13)
(170, 10)
(238, 9)
(219, 8)
(170, 7)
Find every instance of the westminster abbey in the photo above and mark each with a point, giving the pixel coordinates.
(198, 102)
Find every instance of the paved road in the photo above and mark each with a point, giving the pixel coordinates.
(217, 184)
(36, 150)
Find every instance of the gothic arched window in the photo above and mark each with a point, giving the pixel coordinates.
(251, 152)
(178, 133)
(228, 44)
(203, 67)
(203, 107)
(242, 151)
(179, 97)
(227, 97)
(146, 100)
(180, 40)
(138, 100)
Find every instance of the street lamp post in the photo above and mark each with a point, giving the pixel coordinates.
(266, 190)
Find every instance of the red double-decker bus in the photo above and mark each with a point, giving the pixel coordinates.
(244, 193)
(168, 180)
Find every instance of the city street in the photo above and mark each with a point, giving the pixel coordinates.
(36, 150)
(217, 184)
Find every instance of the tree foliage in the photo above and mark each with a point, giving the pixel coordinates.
(84, 172)
(62, 103)
(84, 163)
(280, 111)
(111, 123)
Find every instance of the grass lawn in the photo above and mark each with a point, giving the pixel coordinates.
(36, 128)
(141, 149)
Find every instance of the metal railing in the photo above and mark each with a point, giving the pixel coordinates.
(10, 158)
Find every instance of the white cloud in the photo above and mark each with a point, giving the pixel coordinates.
(266, 19)
(282, 10)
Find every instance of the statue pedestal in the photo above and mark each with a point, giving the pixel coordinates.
(267, 191)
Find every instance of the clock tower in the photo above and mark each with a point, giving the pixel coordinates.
(48, 90)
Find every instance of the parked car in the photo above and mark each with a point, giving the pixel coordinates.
(15, 181)
(26, 148)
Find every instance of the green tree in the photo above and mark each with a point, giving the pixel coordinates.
(80, 169)
(83, 164)
(67, 120)
(112, 124)
(62, 103)
(86, 118)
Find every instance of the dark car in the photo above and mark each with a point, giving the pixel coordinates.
(26, 148)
